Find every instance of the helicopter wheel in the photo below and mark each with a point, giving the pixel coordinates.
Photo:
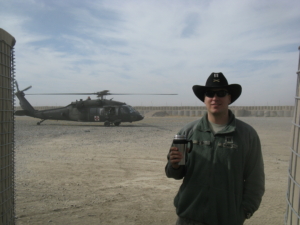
(117, 123)
(107, 124)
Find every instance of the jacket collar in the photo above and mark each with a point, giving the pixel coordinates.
(203, 124)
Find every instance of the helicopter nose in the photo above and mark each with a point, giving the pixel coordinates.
(137, 117)
(140, 117)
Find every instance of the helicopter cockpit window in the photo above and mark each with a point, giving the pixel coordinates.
(125, 110)
(131, 109)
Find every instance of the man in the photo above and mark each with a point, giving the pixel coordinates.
(224, 173)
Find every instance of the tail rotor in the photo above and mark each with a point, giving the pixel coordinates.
(17, 86)
(26, 106)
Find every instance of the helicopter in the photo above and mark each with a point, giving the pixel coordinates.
(97, 110)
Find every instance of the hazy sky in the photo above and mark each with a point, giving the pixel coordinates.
(157, 46)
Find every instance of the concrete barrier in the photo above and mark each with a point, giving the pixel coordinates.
(280, 113)
(267, 113)
(260, 113)
(198, 111)
(273, 113)
(239, 112)
(287, 113)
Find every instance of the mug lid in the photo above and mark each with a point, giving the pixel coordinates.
(179, 137)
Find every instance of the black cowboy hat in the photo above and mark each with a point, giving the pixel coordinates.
(218, 80)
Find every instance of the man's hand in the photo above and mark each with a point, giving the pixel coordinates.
(175, 156)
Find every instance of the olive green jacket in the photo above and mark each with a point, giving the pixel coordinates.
(223, 175)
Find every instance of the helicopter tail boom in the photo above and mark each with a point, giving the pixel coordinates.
(22, 113)
(28, 110)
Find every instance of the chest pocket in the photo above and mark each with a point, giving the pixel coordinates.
(228, 143)
(226, 153)
(202, 151)
(196, 142)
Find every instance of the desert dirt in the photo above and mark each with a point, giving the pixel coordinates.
(85, 173)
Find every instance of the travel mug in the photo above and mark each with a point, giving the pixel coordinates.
(181, 143)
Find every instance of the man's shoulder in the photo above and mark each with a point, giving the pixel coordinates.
(241, 125)
(190, 126)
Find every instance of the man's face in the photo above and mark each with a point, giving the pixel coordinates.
(217, 105)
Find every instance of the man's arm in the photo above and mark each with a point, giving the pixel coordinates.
(254, 177)
(172, 169)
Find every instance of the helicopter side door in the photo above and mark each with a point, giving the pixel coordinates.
(94, 115)
(109, 113)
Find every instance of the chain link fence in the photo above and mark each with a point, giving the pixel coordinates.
(292, 216)
(7, 187)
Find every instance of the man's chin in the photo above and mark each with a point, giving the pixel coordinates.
(217, 112)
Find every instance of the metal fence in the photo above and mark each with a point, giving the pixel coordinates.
(7, 202)
(292, 216)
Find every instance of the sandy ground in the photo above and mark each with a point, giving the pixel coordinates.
(85, 173)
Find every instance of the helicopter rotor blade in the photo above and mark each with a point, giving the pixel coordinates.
(27, 88)
(17, 86)
(102, 93)
(18, 90)
(63, 94)
(138, 94)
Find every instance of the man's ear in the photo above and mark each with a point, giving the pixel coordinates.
(229, 99)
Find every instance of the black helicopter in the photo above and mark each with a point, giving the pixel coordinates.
(98, 110)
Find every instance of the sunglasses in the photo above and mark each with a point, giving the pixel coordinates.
(211, 94)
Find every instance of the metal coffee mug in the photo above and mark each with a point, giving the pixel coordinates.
(181, 143)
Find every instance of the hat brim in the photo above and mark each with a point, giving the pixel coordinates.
(234, 90)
